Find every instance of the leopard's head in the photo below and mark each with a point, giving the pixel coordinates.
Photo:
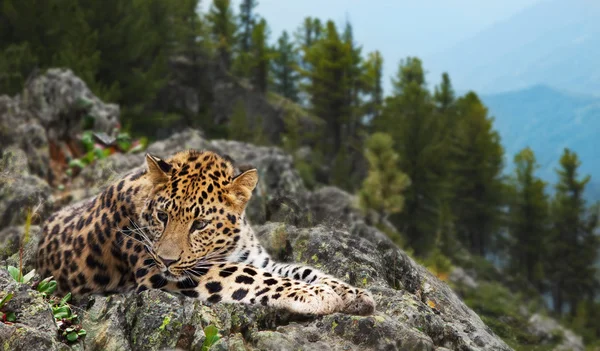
(195, 210)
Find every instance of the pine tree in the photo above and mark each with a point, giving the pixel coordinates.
(573, 245)
(475, 162)
(372, 82)
(223, 29)
(328, 85)
(284, 68)
(247, 23)
(408, 116)
(529, 221)
(261, 56)
(444, 94)
(382, 189)
(310, 32)
(354, 74)
(239, 127)
(135, 39)
(43, 34)
(410, 75)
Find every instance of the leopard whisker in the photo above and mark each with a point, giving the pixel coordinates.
(149, 248)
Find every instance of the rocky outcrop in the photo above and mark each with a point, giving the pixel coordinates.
(548, 329)
(415, 310)
(46, 118)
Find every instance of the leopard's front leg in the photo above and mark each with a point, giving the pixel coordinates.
(356, 301)
(234, 282)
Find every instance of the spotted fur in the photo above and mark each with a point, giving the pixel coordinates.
(179, 225)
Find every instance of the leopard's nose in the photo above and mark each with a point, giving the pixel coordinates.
(166, 261)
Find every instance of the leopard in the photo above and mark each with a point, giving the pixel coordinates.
(178, 224)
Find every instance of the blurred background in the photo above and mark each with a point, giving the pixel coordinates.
(468, 130)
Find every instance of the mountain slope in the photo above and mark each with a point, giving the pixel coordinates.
(548, 120)
(555, 42)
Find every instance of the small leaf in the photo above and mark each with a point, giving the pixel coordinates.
(14, 272)
(76, 163)
(212, 336)
(42, 286)
(87, 139)
(51, 287)
(82, 332)
(65, 299)
(27, 278)
(72, 336)
(11, 317)
(5, 299)
(61, 312)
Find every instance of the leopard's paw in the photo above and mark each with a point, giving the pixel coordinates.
(359, 302)
(355, 301)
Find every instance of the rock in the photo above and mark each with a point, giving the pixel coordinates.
(60, 100)
(35, 144)
(35, 328)
(415, 311)
(550, 331)
(13, 162)
(406, 293)
(461, 278)
(10, 239)
(46, 119)
(15, 236)
(12, 115)
(333, 206)
(106, 325)
(20, 193)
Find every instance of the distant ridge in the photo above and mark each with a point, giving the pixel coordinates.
(554, 42)
(548, 120)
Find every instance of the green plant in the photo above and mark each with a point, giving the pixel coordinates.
(18, 275)
(46, 286)
(212, 336)
(67, 321)
(96, 151)
(7, 316)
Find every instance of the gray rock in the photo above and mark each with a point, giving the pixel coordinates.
(48, 116)
(403, 289)
(35, 144)
(106, 325)
(15, 236)
(10, 239)
(13, 162)
(460, 277)
(35, 328)
(415, 310)
(549, 331)
(20, 193)
(12, 114)
(60, 100)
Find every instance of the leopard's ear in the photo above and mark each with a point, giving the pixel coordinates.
(240, 190)
(158, 169)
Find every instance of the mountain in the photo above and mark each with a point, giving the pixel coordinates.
(554, 42)
(549, 120)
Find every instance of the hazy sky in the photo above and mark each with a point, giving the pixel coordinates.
(397, 28)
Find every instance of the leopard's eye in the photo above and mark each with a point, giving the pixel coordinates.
(162, 216)
(198, 225)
